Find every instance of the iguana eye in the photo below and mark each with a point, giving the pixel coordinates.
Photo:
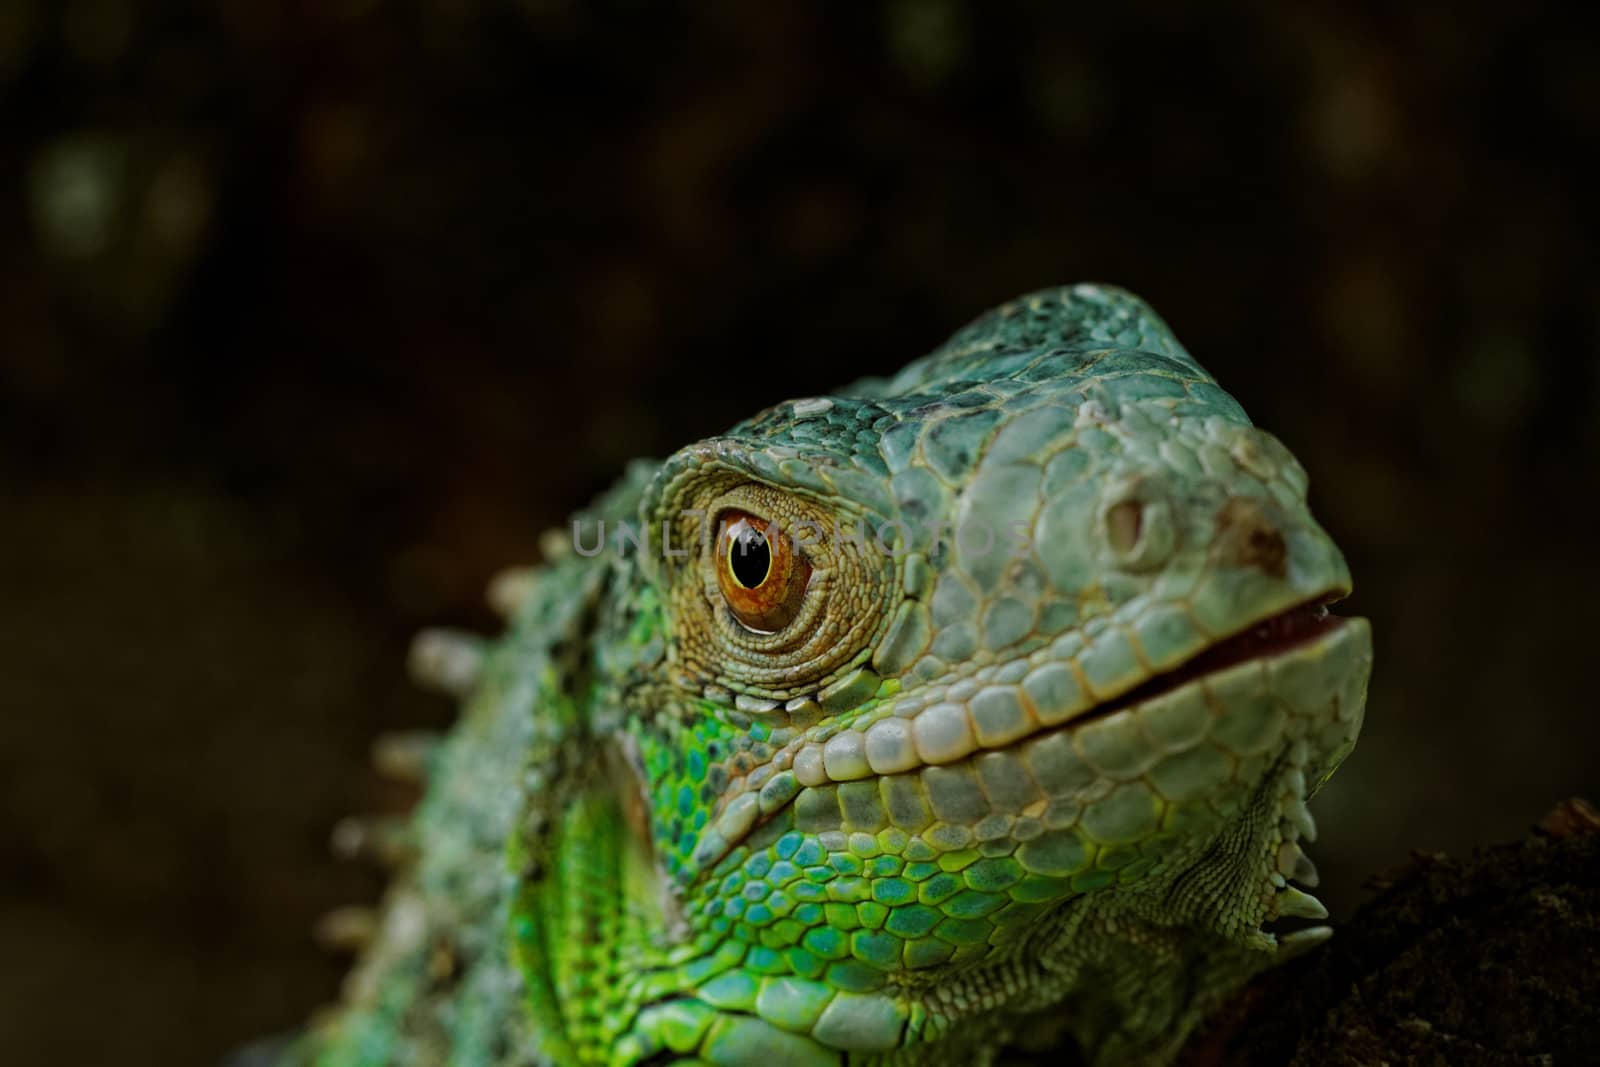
(761, 577)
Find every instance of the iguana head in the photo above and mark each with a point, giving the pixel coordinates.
(990, 687)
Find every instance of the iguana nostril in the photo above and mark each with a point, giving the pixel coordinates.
(1137, 526)
(1248, 536)
(1124, 524)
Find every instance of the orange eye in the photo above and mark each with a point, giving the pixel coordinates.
(761, 577)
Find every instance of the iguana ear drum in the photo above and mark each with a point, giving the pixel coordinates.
(761, 576)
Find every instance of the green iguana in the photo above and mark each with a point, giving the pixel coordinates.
(970, 707)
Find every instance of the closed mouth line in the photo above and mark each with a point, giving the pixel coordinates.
(1272, 636)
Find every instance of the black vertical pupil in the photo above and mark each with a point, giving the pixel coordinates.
(750, 558)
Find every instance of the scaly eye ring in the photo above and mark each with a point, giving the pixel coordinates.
(762, 578)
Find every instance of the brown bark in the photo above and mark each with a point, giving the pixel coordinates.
(1480, 962)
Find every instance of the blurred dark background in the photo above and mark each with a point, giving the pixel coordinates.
(314, 315)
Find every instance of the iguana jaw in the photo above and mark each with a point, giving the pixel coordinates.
(1274, 636)
(1182, 733)
(999, 708)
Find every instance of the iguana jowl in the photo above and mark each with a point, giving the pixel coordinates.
(970, 707)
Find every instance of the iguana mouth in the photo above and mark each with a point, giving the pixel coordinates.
(1049, 774)
(1271, 636)
(1277, 637)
